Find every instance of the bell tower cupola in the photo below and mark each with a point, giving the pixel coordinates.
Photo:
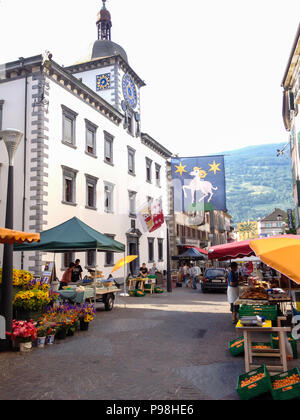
(104, 24)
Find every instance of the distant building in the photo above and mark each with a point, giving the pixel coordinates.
(273, 224)
(291, 117)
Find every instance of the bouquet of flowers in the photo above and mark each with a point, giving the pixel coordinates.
(31, 300)
(24, 331)
(37, 284)
(87, 312)
(65, 317)
(20, 277)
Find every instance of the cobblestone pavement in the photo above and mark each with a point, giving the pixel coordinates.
(168, 347)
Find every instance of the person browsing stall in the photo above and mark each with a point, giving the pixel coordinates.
(67, 276)
(233, 290)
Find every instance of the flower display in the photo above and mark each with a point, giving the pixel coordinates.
(24, 331)
(87, 312)
(20, 277)
(37, 284)
(31, 300)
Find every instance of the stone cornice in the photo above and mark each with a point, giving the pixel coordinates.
(154, 145)
(70, 82)
(107, 61)
(28, 66)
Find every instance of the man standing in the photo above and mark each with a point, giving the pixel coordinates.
(77, 272)
(233, 290)
(193, 272)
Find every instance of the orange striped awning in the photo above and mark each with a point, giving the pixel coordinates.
(8, 236)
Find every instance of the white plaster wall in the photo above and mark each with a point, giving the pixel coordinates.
(60, 154)
(89, 79)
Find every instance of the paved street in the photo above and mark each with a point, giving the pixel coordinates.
(170, 346)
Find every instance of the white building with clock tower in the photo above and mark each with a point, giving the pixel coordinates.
(83, 152)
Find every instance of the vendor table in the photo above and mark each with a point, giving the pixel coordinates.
(77, 297)
(249, 353)
(132, 283)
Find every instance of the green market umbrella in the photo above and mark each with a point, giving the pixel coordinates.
(72, 235)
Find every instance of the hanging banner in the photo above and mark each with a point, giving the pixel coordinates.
(199, 184)
(151, 215)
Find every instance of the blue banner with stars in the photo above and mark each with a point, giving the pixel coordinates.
(199, 183)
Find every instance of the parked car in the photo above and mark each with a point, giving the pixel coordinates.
(214, 278)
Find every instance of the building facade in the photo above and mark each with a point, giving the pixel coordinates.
(274, 224)
(83, 152)
(291, 117)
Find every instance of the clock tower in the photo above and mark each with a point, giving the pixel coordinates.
(109, 74)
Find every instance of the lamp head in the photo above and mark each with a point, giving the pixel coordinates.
(12, 139)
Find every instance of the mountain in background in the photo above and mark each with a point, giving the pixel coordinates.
(257, 181)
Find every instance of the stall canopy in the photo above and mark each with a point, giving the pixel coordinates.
(72, 235)
(202, 251)
(8, 236)
(241, 249)
(231, 250)
(190, 254)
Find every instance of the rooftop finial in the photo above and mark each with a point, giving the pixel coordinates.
(104, 23)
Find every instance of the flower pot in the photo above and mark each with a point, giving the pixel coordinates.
(84, 326)
(26, 347)
(50, 339)
(70, 333)
(61, 334)
(41, 342)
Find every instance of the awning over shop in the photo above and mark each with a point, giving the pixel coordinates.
(73, 235)
(202, 251)
(190, 254)
(240, 249)
(8, 236)
(231, 250)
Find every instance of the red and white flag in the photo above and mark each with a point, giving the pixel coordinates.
(151, 215)
(157, 214)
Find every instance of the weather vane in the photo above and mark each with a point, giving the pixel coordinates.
(280, 152)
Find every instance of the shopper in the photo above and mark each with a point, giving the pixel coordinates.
(186, 274)
(67, 276)
(77, 272)
(193, 273)
(233, 290)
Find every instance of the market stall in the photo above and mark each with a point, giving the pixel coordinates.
(74, 235)
(262, 303)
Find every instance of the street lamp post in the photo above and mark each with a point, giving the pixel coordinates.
(169, 281)
(12, 139)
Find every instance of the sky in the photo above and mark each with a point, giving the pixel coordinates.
(213, 69)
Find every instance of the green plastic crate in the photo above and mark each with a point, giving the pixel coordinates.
(275, 343)
(288, 392)
(256, 388)
(267, 311)
(236, 350)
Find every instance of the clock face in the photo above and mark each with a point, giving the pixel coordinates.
(129, 91)
(103, 81)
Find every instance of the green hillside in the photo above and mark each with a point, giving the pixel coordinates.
(257, 181)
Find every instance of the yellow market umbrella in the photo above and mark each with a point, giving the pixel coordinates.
(124, 261)
(281, 253)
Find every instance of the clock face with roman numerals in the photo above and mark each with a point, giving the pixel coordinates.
(129, 91)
